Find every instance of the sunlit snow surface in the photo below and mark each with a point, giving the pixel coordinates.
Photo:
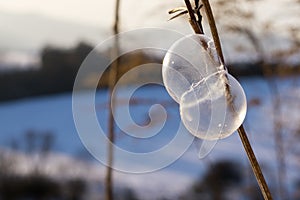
(54, 113)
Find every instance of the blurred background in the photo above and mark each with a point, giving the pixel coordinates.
(42, 45)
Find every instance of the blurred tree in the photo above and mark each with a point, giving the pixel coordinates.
(240, 17)
(223, 180)
(35, 185)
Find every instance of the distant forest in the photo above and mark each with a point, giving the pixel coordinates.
(58, 71)
(59, 68)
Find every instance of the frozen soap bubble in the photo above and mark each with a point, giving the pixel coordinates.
(212, 102)
(187, 62)
(207, 110)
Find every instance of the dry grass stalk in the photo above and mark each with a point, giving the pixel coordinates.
(242, 133)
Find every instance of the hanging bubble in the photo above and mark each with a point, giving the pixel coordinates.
(212, 102)
(209, 112)
(187, 62)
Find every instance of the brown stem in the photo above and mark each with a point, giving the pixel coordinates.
(213, 28)
(254, 164)
(193, 21)
(242, 133)
(113, 74)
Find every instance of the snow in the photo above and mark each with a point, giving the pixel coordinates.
(69, 158)
(18, 60)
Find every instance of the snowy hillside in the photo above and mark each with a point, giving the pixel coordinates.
(53, 114)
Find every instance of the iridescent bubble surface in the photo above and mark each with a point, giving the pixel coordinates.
(212, 102)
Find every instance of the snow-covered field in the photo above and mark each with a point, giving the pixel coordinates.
(68, 157)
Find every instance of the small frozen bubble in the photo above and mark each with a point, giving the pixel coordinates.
(215, 114)
(212, 102)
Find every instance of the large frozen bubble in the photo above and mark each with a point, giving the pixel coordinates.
(212, 102)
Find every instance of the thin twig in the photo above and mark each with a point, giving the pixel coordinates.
(254, 164)
(242, 133)
(213, 28)
(113, 74)
(193, 21)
